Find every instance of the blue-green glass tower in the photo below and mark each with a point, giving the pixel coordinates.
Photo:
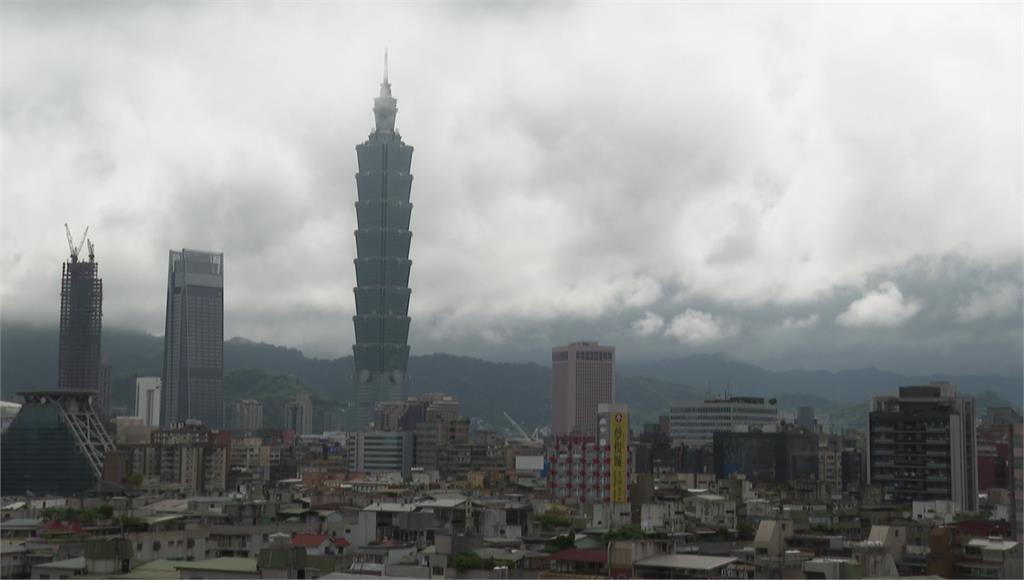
(381, 350)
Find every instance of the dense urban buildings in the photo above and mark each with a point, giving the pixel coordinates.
(81, 321)
(248, 414)
(696, 422)
(922, 445)
(383, 210)
(147, 400)
(582, 377)
(193, 375)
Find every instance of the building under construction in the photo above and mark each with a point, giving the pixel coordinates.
(81, 314)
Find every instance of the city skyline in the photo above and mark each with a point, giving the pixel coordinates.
(814, 197)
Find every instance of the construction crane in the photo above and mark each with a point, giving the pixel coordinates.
(525, 437)
(92, 250)
(75, 250)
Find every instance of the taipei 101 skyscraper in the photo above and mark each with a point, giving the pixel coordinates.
(381, 350)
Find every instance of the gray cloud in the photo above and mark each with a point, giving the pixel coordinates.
(745, 175)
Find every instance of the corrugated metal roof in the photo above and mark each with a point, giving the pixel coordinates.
(686, 562)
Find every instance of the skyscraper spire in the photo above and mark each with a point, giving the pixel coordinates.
(385, 107)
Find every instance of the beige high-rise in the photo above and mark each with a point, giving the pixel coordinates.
(582, 377)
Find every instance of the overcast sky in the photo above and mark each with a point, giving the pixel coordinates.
(797, 185)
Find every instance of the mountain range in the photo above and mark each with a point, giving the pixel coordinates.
(28, 360)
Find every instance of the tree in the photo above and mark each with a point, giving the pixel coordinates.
(564, 542)
(472, 561)
(744, 532)
(105, 512)
(628, 532)
(554, 518)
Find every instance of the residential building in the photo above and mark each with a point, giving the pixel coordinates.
(249, 414)
(694, 423)
(433, 436)
(922, 445)
(185, 457)
(381, 349)
(192, 385)
(580, 470)
(298, 414)
(582, 377)
(441, 407)
(147, 400)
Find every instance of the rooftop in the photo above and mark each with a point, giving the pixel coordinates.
(992, 544)
(686, 562)
(309, 540)
(239, 565)
(69, 564)
(578, 555)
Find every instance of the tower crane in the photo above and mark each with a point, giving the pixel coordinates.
(525, 437)
(75, 250)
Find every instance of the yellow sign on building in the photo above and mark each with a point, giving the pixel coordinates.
(620, 456)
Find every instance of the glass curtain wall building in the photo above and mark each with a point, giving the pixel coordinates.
(381, 349)
(193, 375)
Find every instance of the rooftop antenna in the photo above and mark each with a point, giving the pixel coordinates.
(385, 65)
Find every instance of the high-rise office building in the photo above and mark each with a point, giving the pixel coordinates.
(298, 414)
(147, 400)
(248, 414)
(695, 423)
(582, 377)
(81, 321)
(193, 375)
(381, 349)
(921, 445)
(382, 451)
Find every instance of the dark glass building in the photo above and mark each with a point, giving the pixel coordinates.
(81, 317)
(766, 457)
(381, 349)
(56, 445)
(193, 375)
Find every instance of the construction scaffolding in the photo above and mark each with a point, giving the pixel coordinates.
(81, 314)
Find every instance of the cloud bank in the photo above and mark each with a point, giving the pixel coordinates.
(799, 185)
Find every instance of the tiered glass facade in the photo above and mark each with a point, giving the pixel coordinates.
(381, 349)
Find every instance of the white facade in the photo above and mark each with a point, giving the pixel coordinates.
(147, 400)
(696, 422)
(382, 452)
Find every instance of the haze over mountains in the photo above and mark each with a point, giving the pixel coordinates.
(28, 360)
